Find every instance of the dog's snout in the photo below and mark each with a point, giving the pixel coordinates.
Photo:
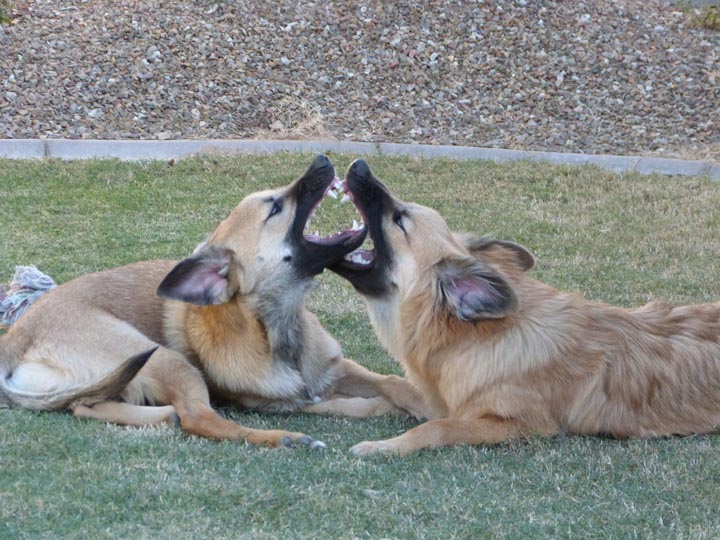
(359, 168)
(320, 162)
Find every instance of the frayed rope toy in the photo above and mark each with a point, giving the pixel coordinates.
(27, 285)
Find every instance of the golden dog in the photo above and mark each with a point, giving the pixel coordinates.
(231, 317)
(499, 355)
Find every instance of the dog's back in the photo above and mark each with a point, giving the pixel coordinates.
(658, 370)
(127, 293)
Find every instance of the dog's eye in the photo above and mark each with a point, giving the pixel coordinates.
(398, 219)
(276, 208)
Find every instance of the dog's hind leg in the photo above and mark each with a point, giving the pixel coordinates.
(39, 377)
(129, 415)
(443, 432)
(354, 380)
(175, 381)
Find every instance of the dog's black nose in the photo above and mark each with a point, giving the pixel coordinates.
(359, 168)
(320, 162)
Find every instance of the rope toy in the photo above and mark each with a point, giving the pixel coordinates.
(27, 285)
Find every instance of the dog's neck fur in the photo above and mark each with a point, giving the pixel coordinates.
(279, 308)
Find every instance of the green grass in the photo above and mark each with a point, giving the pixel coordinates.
(621, 239)
(5, 9)
(707, 17)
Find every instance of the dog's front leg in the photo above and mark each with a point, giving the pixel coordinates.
(354, 380)
(127, 414)
(443, 432)
(354, 407)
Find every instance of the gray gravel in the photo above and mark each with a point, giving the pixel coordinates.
(621, 77)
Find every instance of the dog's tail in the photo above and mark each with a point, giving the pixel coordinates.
(26, 286)
(107, 388)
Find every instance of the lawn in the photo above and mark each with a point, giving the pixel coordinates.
(621, 239)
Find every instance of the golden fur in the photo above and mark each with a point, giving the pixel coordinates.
(77, 337)
(537, 361)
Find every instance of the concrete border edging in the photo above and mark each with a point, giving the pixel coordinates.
(136, 150)
(22, 148)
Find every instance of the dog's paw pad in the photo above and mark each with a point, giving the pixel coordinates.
(317, 445)
(287, 442)
(312, 444)
(305, 441)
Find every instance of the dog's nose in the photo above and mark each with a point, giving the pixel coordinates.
(320, 162)
(359, 168)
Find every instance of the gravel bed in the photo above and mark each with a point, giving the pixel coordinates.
(622, 77)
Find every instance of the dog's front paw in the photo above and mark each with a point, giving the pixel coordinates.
(305, 441)
(366, 448)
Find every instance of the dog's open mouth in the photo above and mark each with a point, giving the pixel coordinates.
(321, 234)
(322, 226)
(363, 257)
(368, 266)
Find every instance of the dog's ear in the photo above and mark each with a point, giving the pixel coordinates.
(472, 291)
(521, 255)
(206, 278)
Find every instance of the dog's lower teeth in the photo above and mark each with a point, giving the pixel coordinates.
(332, 194)
(357, 259)
(345, 199)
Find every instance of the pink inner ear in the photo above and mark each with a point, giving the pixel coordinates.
(472, 297)
(205, 282)
(470, 290)
(201, 279)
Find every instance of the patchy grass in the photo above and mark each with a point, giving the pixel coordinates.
(621, 239)
(707, 17)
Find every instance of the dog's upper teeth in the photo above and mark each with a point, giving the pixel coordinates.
(355, 226)
(332, 194)
(345, 199)
(223, 272)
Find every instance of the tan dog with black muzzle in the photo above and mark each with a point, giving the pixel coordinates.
(229, 321)
(499, 355)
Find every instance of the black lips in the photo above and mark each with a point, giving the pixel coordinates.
(311, 258)
(374, 202)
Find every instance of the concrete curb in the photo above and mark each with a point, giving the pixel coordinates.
(130, 150)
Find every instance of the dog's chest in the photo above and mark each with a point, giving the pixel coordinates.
(384, 320)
